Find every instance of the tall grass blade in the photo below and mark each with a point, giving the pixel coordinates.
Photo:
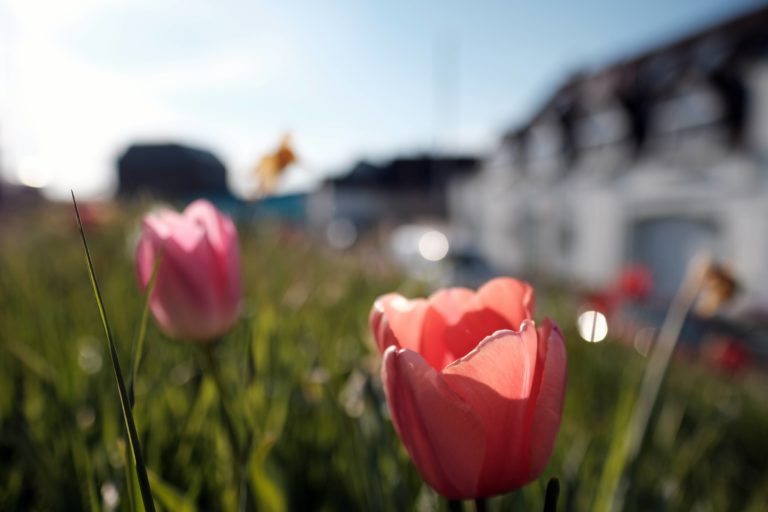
(137, 347)
(130, 481)
(133, 437)
(656, 370)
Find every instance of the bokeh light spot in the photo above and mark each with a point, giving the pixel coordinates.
(593, 326)
(89, 358)
(341, 234)
(33, 173)
(433, 245)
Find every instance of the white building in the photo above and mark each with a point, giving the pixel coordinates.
(646, 161)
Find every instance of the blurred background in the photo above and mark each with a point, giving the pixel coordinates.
(593, 148)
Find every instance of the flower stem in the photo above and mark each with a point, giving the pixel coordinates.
(137, 345)
(455, 506)
(552, 493)
(229, 424)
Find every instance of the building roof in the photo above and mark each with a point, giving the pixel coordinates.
(172, 171)
(659, 69)
(406, 172)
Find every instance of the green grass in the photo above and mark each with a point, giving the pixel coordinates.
(301, 373)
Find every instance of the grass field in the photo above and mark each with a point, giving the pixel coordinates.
(301, 373)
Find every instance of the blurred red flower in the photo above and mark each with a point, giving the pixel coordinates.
(728, 355)
(635, 282)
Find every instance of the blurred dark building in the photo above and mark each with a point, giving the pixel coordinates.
(648, 160)
(171, 171)
(13, 196)
(405, 189)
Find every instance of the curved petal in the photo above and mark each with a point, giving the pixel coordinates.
(511, 298)
(455, 323)
(398, 321)
(167, 225)
(377, 322)
(496, 380)
(221, 234)
(440, 432)
(162, 221)
(145, 260)
(232, 283)
(185, 294)
(550, 397)
(218, 227)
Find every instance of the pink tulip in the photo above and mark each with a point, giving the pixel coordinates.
(474, 388)
(198, 289)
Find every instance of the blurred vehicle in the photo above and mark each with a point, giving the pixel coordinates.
(426, 252)
(420, 250)
(469, 268)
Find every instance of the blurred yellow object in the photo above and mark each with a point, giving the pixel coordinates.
(720, 286)
(273, 165)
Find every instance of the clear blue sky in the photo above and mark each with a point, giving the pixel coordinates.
(80, 80)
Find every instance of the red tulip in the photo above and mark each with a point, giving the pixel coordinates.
(635, 282)
(198, 289)
(474, 388)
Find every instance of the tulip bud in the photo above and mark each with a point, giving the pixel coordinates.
(198, 291)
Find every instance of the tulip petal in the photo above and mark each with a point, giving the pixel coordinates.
(145, 261)
(455, 323)
(167, 224)
(549, 396)
(511, 298)
(222, 235)
(219, 228)
(184, 293)
(496, 380)
(398, 321)
(163, 222)
(442, 435)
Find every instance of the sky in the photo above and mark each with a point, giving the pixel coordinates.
(80, 80)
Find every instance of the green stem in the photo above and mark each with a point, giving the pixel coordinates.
(137, 347)
(238, 455)
(455, 506)
(552, 493)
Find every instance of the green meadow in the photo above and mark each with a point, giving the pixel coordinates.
(301, 376)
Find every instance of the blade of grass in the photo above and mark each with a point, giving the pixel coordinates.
(130, 481)
(171, 498)
(655, 372)
(137, 347)
(133, 437)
